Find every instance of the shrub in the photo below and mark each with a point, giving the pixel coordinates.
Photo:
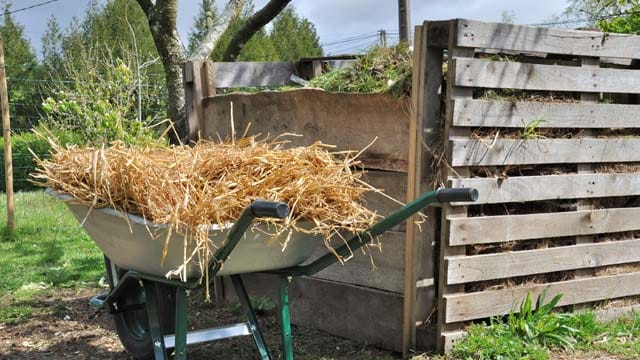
(23, 161)
(103, 100)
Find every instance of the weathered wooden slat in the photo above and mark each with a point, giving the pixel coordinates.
(549, 187)
(437, 33)
(478, 34)
(478, 113)
(476, 152)
(248, 74)
(523, 76)
(349, 311)
(478, 305)
(496, 229)
(359, 269)
(349, 121)
(465, 269)
(414, 177)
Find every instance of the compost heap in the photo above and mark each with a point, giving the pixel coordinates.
(193, 187)
(380, 70)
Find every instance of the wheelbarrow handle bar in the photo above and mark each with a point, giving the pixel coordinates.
(258, 208)
(455, 195)
(272, 209)
(398, 216)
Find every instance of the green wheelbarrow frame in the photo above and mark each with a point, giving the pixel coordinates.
(182, 337)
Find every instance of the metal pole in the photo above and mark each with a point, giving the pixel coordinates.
(6, 132)
(404, 20)
(383, 38)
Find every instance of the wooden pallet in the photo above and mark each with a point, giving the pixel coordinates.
(563, 241)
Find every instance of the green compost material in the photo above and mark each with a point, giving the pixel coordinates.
(380, 70)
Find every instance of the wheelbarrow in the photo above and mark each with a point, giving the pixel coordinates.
(150, 309)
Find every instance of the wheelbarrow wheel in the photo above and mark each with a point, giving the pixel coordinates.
(133, 326)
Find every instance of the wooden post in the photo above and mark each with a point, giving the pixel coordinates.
(448, 333)
(587, 204)
(6, 132)
(194, 93)
(414, 180)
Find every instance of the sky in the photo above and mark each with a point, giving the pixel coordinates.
(343, 26)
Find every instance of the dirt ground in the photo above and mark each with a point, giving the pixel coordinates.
(65, 326)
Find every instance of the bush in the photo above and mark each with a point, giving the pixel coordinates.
(23, 161)
(104, 100)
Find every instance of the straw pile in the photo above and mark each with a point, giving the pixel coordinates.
(192, 188)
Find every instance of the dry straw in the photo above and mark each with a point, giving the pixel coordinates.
(193, 187)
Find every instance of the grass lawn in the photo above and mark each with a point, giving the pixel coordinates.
(47, 250)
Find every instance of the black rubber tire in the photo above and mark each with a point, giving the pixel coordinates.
(133, 326)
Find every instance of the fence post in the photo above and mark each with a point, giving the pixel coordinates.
(194, 93)
(6, 132)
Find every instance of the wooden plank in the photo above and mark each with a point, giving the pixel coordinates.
(479, 305)
(394, 185)
(414, 177)
(503, 228)
(348, 311)
(453, 93)
(437, 33)
(587, 168)
(431, 97)
(193, 98)
(486, 152)
(451, 338)
(349, 121)
(252, 74)
(388, 261)
(465, 269)
(522, 38)
(550, 187)
(485, 113)
(523, 76)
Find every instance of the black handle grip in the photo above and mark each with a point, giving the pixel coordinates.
(272, 209)
(459, 194)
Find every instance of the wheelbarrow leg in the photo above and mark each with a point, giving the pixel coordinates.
(241, 292)
(181, 324)
(285, 319)
(155, 328)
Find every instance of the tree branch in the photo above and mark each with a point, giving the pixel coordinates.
(231, 11)
(146, 6)
(253, 25)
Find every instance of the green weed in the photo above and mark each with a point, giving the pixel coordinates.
(530, 130)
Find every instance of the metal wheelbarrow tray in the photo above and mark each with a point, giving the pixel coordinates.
(150, 310)
(133, 243)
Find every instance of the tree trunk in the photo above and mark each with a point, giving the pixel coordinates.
(253, 25)
(162, 22)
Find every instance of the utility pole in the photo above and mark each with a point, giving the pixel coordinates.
(383, 38)
(6, 133)
(404, 18)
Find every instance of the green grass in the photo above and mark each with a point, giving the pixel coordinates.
(47, 250)
(537, 334)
